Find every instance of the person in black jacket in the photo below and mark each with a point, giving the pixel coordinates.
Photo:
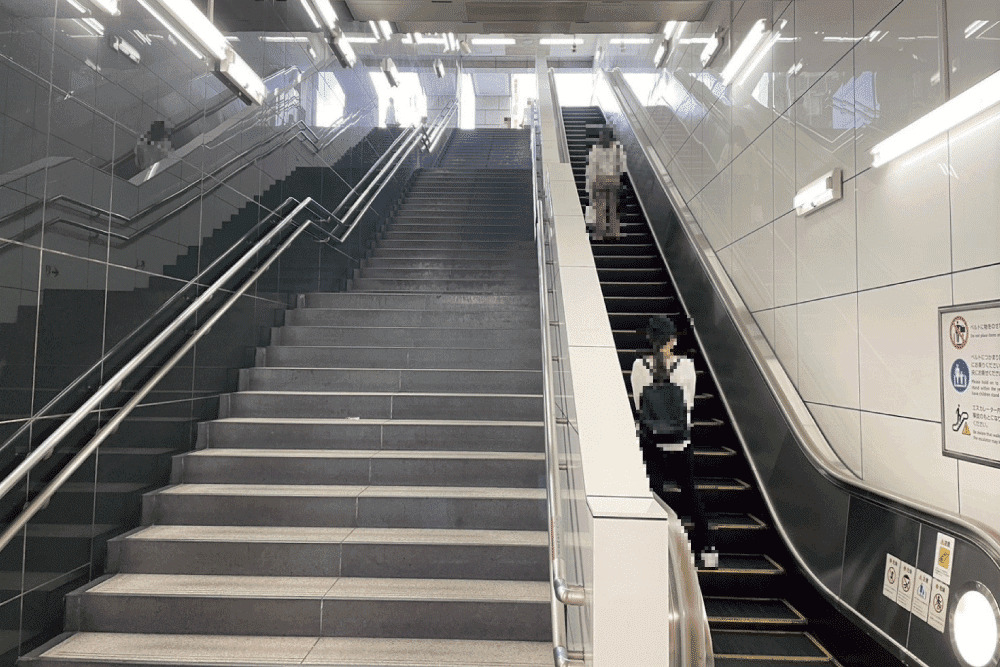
(663, 389)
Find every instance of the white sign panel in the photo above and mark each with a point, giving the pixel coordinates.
(922, 595)
(907, 580)
(944, 557)
(890, 583)
(969, 342)
(938, 606)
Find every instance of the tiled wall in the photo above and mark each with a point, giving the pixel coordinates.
(847, 296)
(69, 108)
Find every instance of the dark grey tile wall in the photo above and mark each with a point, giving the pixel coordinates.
(90, 247)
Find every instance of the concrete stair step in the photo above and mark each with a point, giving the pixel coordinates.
(407, 337)
(447, 254)
(381, 273)
(390, 380)
(347, 506)
(287, 356)
(471, 318)
(464, 286)
(93, 649)
(360, 466)
(481, 264)
(332, 552)
(434, 302)
(427, 434)
(387, 405)
(313, 606)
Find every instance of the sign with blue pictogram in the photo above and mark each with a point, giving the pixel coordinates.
(969, 346)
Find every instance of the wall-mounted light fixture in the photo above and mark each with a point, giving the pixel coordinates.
(110, 7)
(381, 29)
(494, 41)
(241, 77)
(820, 193)
(325, 19)
(712, 47)
(464, 47)
(952, 113)
(561, 41)
(439, 68)
(390, 71)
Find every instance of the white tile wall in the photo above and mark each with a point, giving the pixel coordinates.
(903, 218)
(847, 297)
(786, 340)
(899, 347)
(828, 351)
(826, 249)
(842, 428)
(904, 456)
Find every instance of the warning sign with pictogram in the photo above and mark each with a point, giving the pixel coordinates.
(944, 557)
(922, 595)
(938, 611)
(890, 583)
(969, 345)
(907, 580)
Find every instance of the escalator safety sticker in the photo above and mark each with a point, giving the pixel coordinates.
(922, 595)
(938, 611)
(907, 578)
(890, 584)
(944, 557)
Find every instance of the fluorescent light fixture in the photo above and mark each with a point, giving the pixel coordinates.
(284, 39)
(121, 46)
(386, 29)
(312, 14)
(375, 31)
(668, 29)
(820, 193)
(464, 47)
(452, 42)
(631, 40)
(361, 40)
(143, 37)
(560, 41)
(758, 31)
(952, 113)
(712, 48)
(77, 6)
(439, 68)
(662, 54)
(390, 71)
(243, 79)
(197, 25)
(107, 6)
(321, 13)
(975, 27)
(418, 38)
(493, 41)
(95, 25)
(342, 49)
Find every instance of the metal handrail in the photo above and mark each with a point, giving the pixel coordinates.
(557, 112)
(690, 637)
(561, 592)
(93, 210)
(45, 449)
(380, 180)
(178, 296)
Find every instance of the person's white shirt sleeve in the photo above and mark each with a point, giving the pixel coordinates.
(641, 378)
(685, 377)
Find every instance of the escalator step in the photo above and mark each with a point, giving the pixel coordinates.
(751, 647)
(731, 564)
(711, 484)
(634, 289)
(751, 611)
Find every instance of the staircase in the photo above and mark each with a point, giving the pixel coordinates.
(374, 492)
(760, 610)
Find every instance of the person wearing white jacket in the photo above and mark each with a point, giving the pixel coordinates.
(667, 381)
(605, 166)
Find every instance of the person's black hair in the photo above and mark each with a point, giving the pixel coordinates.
(660, 330)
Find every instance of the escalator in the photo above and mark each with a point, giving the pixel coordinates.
(761, 610)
